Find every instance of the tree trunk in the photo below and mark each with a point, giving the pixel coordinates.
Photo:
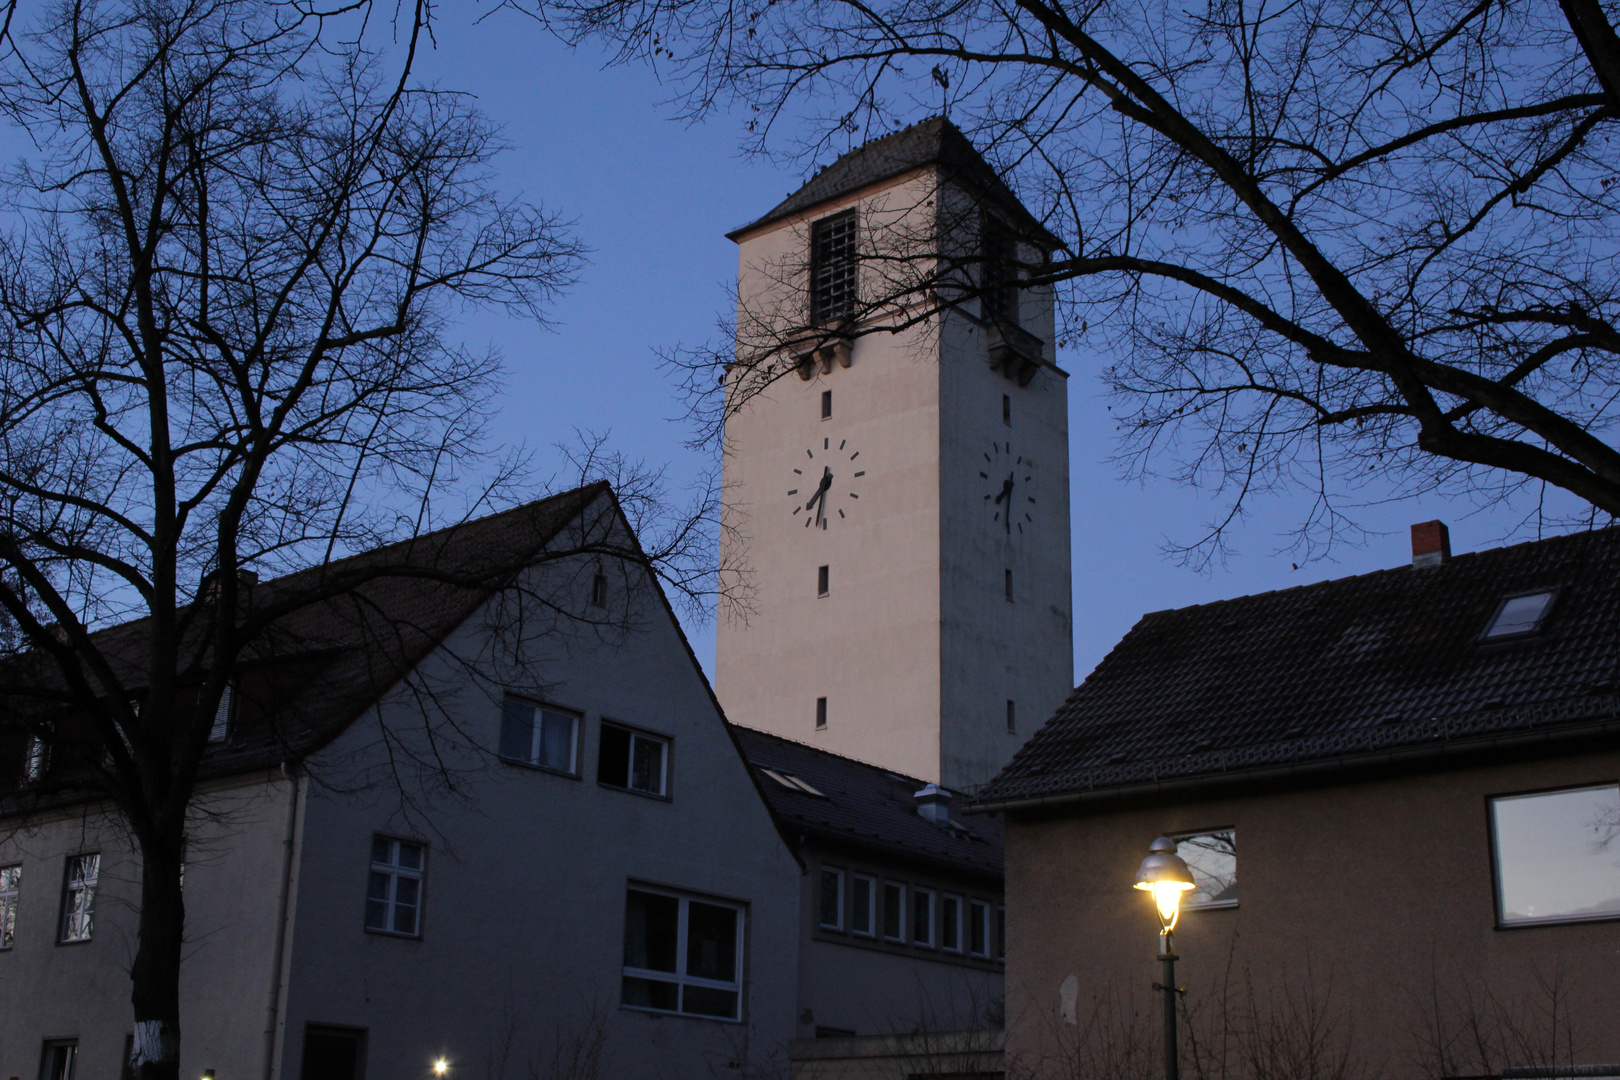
(155, 976)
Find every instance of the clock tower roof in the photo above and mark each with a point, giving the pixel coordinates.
(935, 141)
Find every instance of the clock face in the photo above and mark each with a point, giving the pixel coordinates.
(1006, 475)
(822, 488)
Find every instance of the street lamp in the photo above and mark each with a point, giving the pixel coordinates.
(1165, 875)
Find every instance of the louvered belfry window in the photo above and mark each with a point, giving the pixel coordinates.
(833, 267)
(1000, 274)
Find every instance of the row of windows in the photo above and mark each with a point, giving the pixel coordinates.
(76, 909)
(549, 738)
(901, 913)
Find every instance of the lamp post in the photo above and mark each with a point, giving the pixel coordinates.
(1165, 875)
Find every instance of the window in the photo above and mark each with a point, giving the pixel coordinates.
(826, 404)
(58, 1058)
(950, 923)
(823, 579)
(1012, 717)
(1006, 409)
(1007, 583)
(539, 735)
(682, 954)
(1000, 274)
(633, 760)
(792, 783)
(894, 911)
(37, 760)
(10, 879)
(222, 714)
(821, 713)
(1557, 855)
(979, 928)
(79, 898)
(394, 895)
(1519, 616)
(862, 906)
(333, 1053)
(922, 917)
(832, 899)
(1212, 858)
(599, 590)
(833, 265)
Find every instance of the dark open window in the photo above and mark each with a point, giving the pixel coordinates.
(826, 404)
(833, 267)
(58, 1059)
(633, 760)
(999, 273)
(332, 1053)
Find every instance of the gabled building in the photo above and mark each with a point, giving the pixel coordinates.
(1399, 794)
(439, 822)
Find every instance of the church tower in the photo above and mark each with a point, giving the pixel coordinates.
(896, 469)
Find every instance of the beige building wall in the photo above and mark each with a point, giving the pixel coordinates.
(914, 647)
(1369, 902)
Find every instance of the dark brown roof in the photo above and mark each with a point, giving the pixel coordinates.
(935, 141)
(867, 808)
(1374, 669)
(323, 665)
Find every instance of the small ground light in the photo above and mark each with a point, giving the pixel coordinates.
(441, 1067)
(208, 1074)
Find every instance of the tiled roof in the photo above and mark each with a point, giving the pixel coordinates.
(1373, 668)
(935, 141)
(867, 807)
(322, 666)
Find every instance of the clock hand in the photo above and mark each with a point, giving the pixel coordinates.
(821, 494)
(1006, 493)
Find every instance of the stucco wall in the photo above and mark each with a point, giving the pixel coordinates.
(234, 864)
(1368, 898)
(523, 918)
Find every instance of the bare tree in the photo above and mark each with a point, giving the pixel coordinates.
(238, 249)
(1349, 245)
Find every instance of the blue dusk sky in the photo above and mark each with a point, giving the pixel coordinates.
(653, 196)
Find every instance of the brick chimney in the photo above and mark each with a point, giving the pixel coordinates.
(1431, 544)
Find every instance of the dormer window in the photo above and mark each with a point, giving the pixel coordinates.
(1519, 616)
(833, 267)
(791, 782)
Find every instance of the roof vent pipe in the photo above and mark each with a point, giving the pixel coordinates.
(934, 803)
(1431, 544)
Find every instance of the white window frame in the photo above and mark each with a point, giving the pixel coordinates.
(37, 760)
(222, 714)
(10, 884)
(396, 871)
(899, 937)
(927, 898)
(1499, 899)
(680, 978)
(537, 734)
(870, 884)
(80, 876)
(945, 901)
(636, 734)
(838, 923)
(979, 919)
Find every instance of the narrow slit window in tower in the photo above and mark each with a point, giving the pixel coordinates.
(821, 713)
(826, 404)
(821, 581)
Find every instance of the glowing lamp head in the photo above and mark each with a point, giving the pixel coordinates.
(441, 1067)
(1165, 875)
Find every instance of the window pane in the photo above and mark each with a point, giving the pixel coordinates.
(517, 730)
(1558, 855)
(649, 994)
(706, 1001)
(379, 850)
(376, 914)
(1212, 858)
(831, 906)
(894, 900)
(863, 906)
(557, 741)
(651, 932)
(1520, 615)
(613, 762)
(331, 1055)
(711, 942)
(922, 917)
(979, 930)
(410, 856)
(950, 922)
(404, 920)
(648, 772)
